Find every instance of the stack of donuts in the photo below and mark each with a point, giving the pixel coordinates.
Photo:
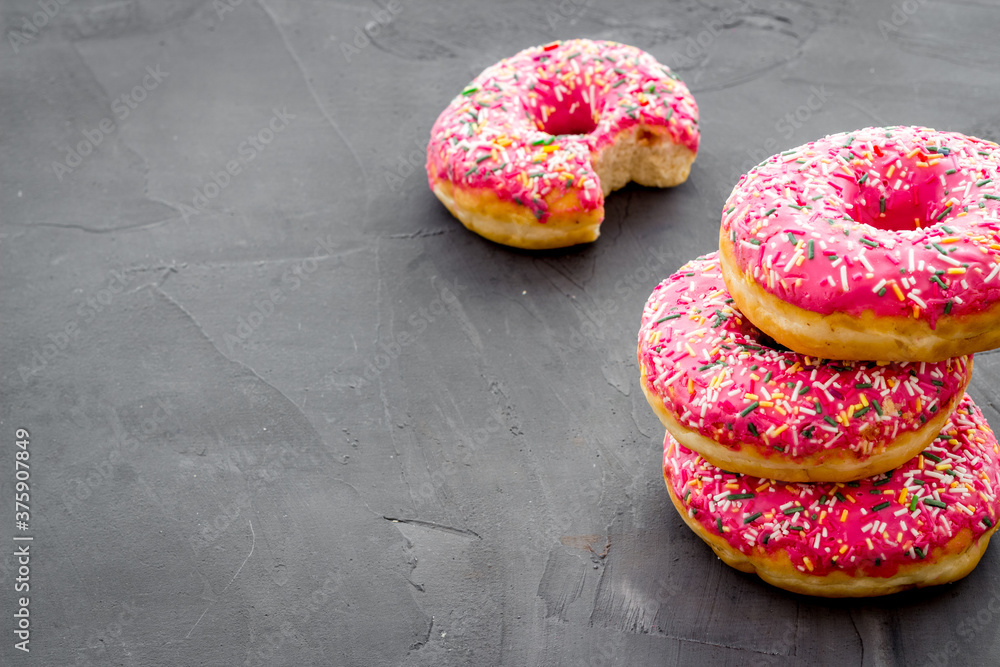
(811, 374)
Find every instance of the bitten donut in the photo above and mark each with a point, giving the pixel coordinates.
(877, 244)
(927, 522)
(725, 390)
(526, 154)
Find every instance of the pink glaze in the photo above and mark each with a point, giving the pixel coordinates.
(873, 220)
(527, 126)
(918, 507)
(719, 375)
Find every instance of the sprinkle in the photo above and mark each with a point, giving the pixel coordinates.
(751, 517)
(668, 317)
(933, 502)
(750, 408)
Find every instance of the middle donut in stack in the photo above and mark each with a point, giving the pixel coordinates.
(724, 389)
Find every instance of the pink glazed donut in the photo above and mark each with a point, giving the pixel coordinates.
(526, 154)
(883, 243)
(927, 522)
(725, 390)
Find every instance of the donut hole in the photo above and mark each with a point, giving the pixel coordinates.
(565, 113)
(905, 196)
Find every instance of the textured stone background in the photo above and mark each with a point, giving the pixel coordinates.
(309, 419)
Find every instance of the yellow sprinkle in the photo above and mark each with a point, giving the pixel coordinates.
(767, 404)
(943, 466)
(899, 292)
(919, 405)
(902, 496)
(762, 487)
(949, 239)
(851, 498)
(822, 515)
(781, 429)
(752, 397)
(864, 400)
(868, 541)
(956, 270)
(551, 148)
(843, 548)
(843, 518)
(805, 559)
(920, 462)
(892, 168)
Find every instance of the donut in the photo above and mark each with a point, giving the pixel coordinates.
(881, 243)
(927, 522)
(726, 390)
(527, 152)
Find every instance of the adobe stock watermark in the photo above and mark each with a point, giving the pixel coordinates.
(79, 489)
(122, 107)
(389, 351)
(900, 16)
(59, 341)
(644, 277)
(30, 28)
(788, 124)
(291, 280)
(298, 615)
(564, 10)
(96, 647)
(972, 625)
(247, 151)
(696, 46)
(405, 165)
(363, 35)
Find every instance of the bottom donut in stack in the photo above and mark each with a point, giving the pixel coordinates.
(927, 522)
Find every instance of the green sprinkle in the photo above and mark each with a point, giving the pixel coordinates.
(880, 506)
(947, 307)
(769, 211)
(935, 279)
(470, 90)
(863, 178)
(882, 482)
(992, 197)
(870, 244)
(933, 502)
(793, 510)
(767, 378)
(688, 495)
(812, 252)
(913, 503)
(987, 522)
(862, 411)
(881, 292)
(881, 204)
(766, 538)
(471, 171)
(718, 522)
(754, 241)
(751, 517)
(863, 385)
(936, 245)
(750, 408)
(796, 528)
(838, 495)
(878, 407)
(944, 213)
(753, 430)
(983, 182)
(668, 317)
(817, 197)
(792, 239)
(739, 496)
(483, 157)
(830, 420)
(932, 457)
(947, 230)
(919, 552)
(618, 83)
(850, 140)
(950, 172)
